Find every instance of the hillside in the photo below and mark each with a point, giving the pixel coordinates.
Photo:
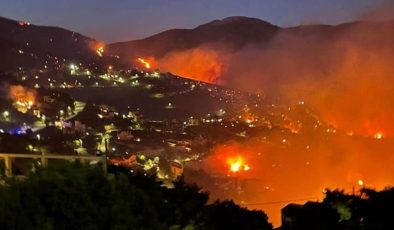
(34, 47)
(233, 32)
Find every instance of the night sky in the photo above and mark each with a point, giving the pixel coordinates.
(119, 20)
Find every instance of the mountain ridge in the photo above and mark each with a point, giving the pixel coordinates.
(25, 45)
(232, 32)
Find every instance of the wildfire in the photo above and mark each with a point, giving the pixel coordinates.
(378, 136)
(100, 51)
(237, 164)
(282, 169)
(201, 64)
(23, 98)
(97, 47)
(144, 62)
(248, 118)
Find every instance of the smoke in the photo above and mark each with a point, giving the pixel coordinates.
(384, 12)
(22, 94)
(345, 73)
(202, 64)
(301, 169)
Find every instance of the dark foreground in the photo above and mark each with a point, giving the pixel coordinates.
(73, 196)
(79, 197)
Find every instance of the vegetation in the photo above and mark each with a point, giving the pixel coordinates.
(369, 210)
(73, 196)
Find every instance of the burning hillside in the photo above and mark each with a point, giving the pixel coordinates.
(146, 63)
(201, 64)
(340, 78)
(346, 74)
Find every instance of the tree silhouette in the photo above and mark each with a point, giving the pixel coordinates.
(74, 196)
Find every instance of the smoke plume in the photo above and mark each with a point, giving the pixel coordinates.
(345, 73)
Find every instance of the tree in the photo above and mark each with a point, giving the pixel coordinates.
(73, 196)
(228, 215)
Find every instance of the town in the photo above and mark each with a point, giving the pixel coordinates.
(210, 122)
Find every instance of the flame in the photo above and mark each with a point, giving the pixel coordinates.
(350, 87)
(341, 161)
(248, 118)
(378, 136)
(100, 50)
(97, 47)
(199, 64)
(23, 97)
(145, 63)
(237, 164)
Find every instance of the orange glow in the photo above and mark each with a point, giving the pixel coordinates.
(378, 136)
(235, 167)
(346, 82)
(248, 118)
(310, 159)
(201, 64)
(97, 47)
(100, 51)
(23, 98)
(237, 164)
(363, 102)
(145, 63)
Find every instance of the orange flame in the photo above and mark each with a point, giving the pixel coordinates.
(199, 64)
(145, 63)
(23, 97)
(97, 47)
(100, 50)
(378, 136)
(237, 164)
(22, 94)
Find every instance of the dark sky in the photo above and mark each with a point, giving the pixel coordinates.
(118, 20)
